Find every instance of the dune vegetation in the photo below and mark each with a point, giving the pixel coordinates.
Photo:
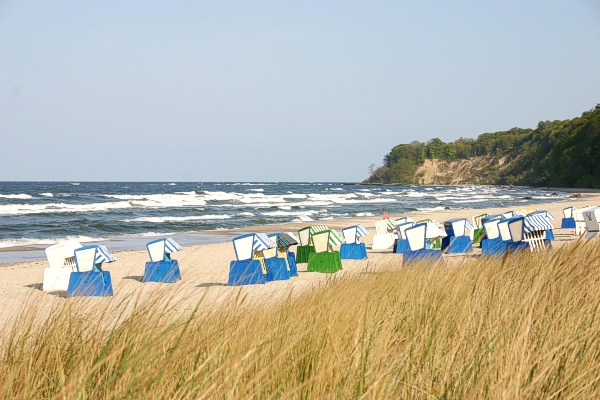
(519, 326)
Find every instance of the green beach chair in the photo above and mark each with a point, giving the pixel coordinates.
(324, 259)
(478, 232)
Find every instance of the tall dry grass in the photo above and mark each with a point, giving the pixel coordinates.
(514, 327)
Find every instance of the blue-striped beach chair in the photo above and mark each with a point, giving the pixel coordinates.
(536, 229)
(458, 239)
(420, 245)
(352, 248)
(325, 259)
(548, 234)
(89, 279)
(161, 267)
(249, 267)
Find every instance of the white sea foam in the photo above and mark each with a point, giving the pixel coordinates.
(75, 183)
(179, 199)
(159, 220)
(22, 209)
(430, 209)
(246, 214)
(365, 214)
(47, 194)
(288, 213)
(256, 190)
(21, 196)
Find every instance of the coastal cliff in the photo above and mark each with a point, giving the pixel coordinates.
(556, 153)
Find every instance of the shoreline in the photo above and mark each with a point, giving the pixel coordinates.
(35, 252)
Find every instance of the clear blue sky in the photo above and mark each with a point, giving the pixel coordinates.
(276, 90)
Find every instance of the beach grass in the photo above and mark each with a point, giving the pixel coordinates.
(518, 326)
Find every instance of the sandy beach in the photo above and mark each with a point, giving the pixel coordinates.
(205, 268)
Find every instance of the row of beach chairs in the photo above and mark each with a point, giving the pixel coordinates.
(262, 258)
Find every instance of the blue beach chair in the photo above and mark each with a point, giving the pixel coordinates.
(492, 244)
(418, 243)
(352, 248)
(249, 268)
(568, 221)
(161, 268)
(457, 240)
(89, 279)
(401, 245)
(284, 241)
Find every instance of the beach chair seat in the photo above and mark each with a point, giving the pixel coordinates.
(491, 243)
(249, 268)
(384, 236)
(61, 261)
(416, 236)
(161, 268)
(401, 245)
(478, 231)
(568, 221)
(352, 248)
(456, 239)
(89, 279)
(325, 259)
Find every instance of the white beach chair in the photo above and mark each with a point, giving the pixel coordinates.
(591, 218)
(61, 258)
(384, 236)
(580, 223)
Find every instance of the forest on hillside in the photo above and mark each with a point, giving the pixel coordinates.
(555, 153)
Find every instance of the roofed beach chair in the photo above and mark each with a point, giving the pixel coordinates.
(249, 267)
(384, 234)
(549, 232)
(478, 230)
(401, 245)
(61, 261)
(492, 244)
(417, 242)
(437, 228)
(284, 241)
(568, 221)
(536, 229)
(306, 247)
(89, 279)
(592, 223)
(325, 259)
(512, 232)
(161, 268)
(457, 240)
(580, 223)
(352, 248)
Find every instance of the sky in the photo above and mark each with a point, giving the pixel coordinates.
(273, 90)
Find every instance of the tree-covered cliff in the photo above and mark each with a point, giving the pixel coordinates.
(556, 153)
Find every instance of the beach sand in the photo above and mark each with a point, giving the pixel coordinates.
(205, 268)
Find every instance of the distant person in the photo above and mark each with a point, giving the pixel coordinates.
(385, 215)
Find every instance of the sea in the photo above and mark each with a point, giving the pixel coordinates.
(129, 214)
